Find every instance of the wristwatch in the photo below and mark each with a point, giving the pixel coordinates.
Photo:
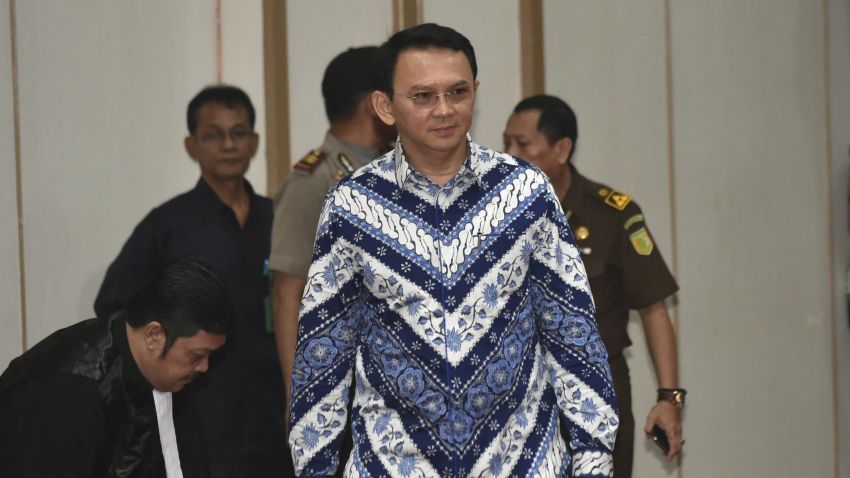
(674, 395)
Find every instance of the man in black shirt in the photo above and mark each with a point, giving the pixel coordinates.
(224, 222)
(95, 399)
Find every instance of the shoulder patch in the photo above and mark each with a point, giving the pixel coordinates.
(617, 200)
(311, 161)
(642, 242)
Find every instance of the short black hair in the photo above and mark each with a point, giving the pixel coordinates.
(426, 35)
(227, 95)
(185, 297)
(557, 119)
(348, 78)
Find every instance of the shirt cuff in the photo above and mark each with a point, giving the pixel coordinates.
(592, 463)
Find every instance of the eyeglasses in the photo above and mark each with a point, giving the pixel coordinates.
(236, 136)
(428, 99)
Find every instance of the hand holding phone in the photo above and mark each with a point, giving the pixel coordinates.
(659, 436)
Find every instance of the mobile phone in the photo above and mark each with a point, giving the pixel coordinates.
(659, 436)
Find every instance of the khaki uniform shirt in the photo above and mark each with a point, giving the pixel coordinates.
(625, 269)
(298, 203)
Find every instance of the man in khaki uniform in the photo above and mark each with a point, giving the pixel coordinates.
(355, 137)
(625, 269)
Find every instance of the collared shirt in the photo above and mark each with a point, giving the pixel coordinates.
(463, 316)
(241, 393)
(624, 266)
(298, 203)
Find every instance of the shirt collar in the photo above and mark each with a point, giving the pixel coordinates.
(472, 166)
(572, 200)
(333, 145)
(210, 204)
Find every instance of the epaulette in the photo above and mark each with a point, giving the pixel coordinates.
(311, 161)
(640, 238)
(614, 198)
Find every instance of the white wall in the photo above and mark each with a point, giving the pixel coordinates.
(751, 181)
(10, 299)
(103, 99)
(317, 31)
(751, 222)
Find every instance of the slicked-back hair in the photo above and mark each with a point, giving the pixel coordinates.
(226, 95)
(349, 77)
(185, 297)
(420, 37)
(557, 119)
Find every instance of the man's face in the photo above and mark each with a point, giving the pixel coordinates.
(223, 143)
(523, 140)
(439, 128)
(187, 358)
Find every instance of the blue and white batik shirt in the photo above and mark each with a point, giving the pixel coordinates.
(463, 315)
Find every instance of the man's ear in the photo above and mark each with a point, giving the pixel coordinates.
(191, 145)
(564, 147)
(154, 336)
(383, 107)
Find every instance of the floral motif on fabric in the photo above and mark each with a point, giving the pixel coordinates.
(463, 317)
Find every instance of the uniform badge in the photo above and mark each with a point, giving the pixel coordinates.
(310, 162)
(345, 162)
(582, 233)
(617, 200)
(642, 242)
(347, 166)
(632, 221)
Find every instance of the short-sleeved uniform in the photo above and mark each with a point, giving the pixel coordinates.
(298, 203)
(626, 271)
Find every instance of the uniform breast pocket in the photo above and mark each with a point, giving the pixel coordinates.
(595, 260)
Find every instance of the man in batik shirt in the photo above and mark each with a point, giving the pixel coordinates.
(446, 286)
